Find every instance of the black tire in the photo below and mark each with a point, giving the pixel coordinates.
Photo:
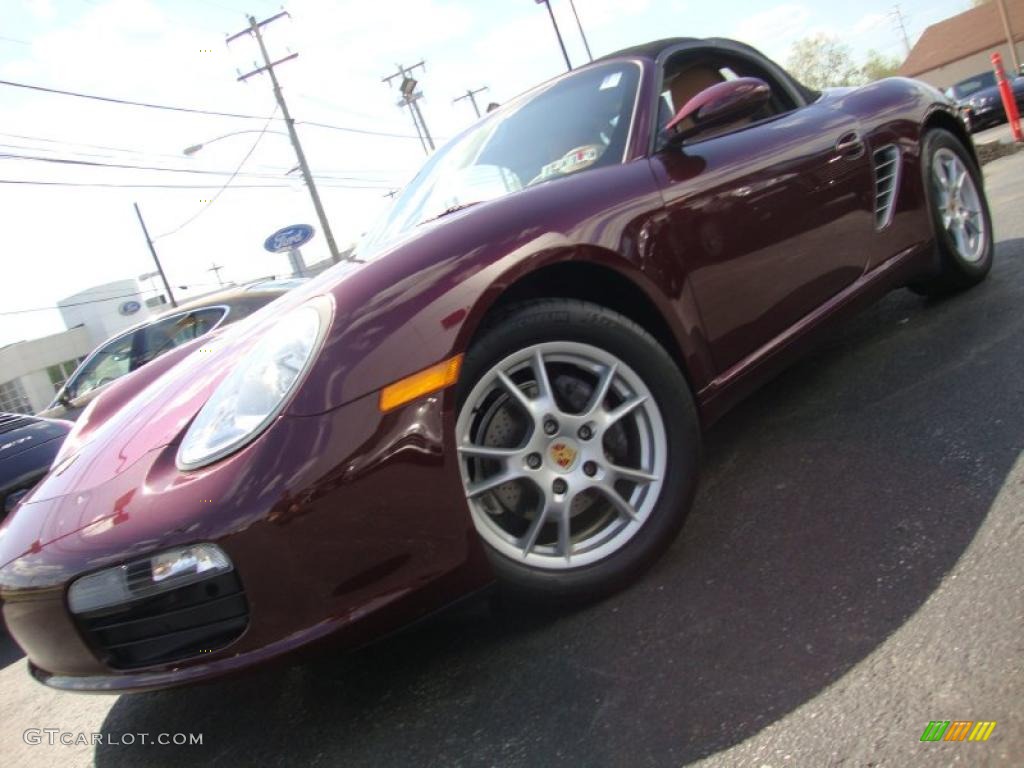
(529, 323)
(951, 273)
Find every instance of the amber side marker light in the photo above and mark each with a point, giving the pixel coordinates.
(431, 379)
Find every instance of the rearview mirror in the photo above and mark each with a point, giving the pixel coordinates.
(718, 105)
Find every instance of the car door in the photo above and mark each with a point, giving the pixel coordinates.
(770, 220)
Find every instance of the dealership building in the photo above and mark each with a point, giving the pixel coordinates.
(32, 371)
(959, 47)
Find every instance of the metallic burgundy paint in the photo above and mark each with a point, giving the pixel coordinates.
(346, 522)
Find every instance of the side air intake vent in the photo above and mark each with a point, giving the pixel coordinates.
(887, 179)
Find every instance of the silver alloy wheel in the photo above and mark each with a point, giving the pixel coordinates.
(959, 205)
(562, 450)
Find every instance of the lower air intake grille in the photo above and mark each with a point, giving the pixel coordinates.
(887, 177)
(185, 622)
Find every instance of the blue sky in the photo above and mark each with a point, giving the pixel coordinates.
(61, 240)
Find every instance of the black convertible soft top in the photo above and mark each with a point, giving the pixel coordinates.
(650, 50)
(655, 48)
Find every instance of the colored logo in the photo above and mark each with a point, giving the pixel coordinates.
(129, 307)
(958, 730)
(563, 454)
(289, 237)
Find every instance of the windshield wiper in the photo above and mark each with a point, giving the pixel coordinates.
(451, 209)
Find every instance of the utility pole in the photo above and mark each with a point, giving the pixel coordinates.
(580, 28)
(897, 15)
(558, 34)
(409, 98)
(268, 67)
(1009, 37)
(216, 268)
(156, 260)
(471, 95)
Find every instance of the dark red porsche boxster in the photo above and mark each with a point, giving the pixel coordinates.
(508, 384)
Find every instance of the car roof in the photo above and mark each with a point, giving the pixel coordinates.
(230, 297)
(650, 50)
(655, 48)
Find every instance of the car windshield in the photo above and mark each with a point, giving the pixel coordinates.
(965, 88)
(572, 124)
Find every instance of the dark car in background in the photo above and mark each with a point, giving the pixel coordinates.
(143, 343)
(980, 102)
(28, 445)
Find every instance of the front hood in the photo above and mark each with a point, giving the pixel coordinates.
(986, 94)
(32, 433)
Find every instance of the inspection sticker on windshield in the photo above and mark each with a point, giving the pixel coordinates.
(611, 81)
(573, 160)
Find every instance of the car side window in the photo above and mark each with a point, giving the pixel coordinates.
(111, 362)
(165, 335)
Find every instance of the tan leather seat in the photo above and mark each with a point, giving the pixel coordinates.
(691, 81)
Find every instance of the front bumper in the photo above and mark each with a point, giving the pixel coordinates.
(345, 524)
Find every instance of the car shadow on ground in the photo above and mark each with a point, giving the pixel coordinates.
(9, 650)
(833, 503)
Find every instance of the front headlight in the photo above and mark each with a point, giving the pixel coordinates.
(245, 403)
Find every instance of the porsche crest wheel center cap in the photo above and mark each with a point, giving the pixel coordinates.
(563, 454)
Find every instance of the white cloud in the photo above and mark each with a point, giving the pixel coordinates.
(781, 22)
(868, 23)
(41, 10)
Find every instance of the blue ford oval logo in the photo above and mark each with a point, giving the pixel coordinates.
(289, 237)
(129, 307)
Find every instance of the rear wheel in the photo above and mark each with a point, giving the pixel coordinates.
(959, 211)
(578, 446)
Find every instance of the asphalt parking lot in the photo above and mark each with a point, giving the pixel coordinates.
(853, 568)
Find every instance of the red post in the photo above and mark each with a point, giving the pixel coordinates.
(1009, 102)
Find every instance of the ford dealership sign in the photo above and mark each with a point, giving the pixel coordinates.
(129, 308)
(289, 237)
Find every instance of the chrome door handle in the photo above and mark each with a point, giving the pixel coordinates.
(850, 145)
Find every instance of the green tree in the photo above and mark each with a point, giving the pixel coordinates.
(822, 61)
(877, 66)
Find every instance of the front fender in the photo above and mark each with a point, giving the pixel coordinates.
(423, 301)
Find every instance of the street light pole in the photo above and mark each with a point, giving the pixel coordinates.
(558, 34)
(579, 26)
(1009, 37)
(156, 259)
(410, 96)
(254, 30)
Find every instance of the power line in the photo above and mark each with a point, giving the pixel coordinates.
(123, 166)
(325, 174)
(220, 191)
(107, 147)
(164, 169)
(195, 110)
(75, 304)
(39, 183)
(130, 103)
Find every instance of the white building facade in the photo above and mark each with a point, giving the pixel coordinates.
(32, 371)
